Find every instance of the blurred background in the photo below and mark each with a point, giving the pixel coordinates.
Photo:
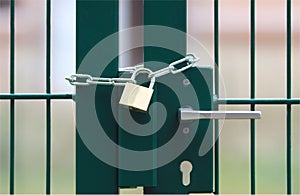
(234, 66)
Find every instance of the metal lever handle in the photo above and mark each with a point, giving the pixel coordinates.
(186, 114)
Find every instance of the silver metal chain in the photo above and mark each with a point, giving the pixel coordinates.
(86, 79)
(191, 59)
(89, 80)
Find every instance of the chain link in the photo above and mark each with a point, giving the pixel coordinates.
(191, 59)
(86, 80)
(73, 79)
(89, 80)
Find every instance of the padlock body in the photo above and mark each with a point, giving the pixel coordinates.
(136, 96)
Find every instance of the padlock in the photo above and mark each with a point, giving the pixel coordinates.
(136, 96)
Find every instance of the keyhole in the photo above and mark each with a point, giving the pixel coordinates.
(186, 169)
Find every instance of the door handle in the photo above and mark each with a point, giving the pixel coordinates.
(187, 114)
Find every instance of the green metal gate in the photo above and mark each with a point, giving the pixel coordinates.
(90, 21)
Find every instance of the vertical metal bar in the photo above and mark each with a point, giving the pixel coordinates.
(171, 14)
(95, 21)
(289, 152)
(288, 95)
(12, 90)
(216, 53)
(48, 101)
(252, 93)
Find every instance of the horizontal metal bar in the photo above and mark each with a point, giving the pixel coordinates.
(219, 101)
(186, 114)
(258, 101)
(35, 96)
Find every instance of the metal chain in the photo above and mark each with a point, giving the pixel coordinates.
(191, 59)
(86, 79)
(89, 80)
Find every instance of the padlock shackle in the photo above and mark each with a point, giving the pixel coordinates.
(145, 71)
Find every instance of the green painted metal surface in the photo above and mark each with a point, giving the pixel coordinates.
(169, 14)
(216, 60)
(138, 143)
(48, 101)
(12, 102)
(252, 94)
(169, 177)
(96, 20)
(288, 95)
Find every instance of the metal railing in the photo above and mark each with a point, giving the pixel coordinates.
(47, 96)
(288, 101)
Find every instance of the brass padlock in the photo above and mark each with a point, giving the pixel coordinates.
(136, 96)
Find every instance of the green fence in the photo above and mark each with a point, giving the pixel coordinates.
(48, 96)
(253, 101)
(288, 101)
